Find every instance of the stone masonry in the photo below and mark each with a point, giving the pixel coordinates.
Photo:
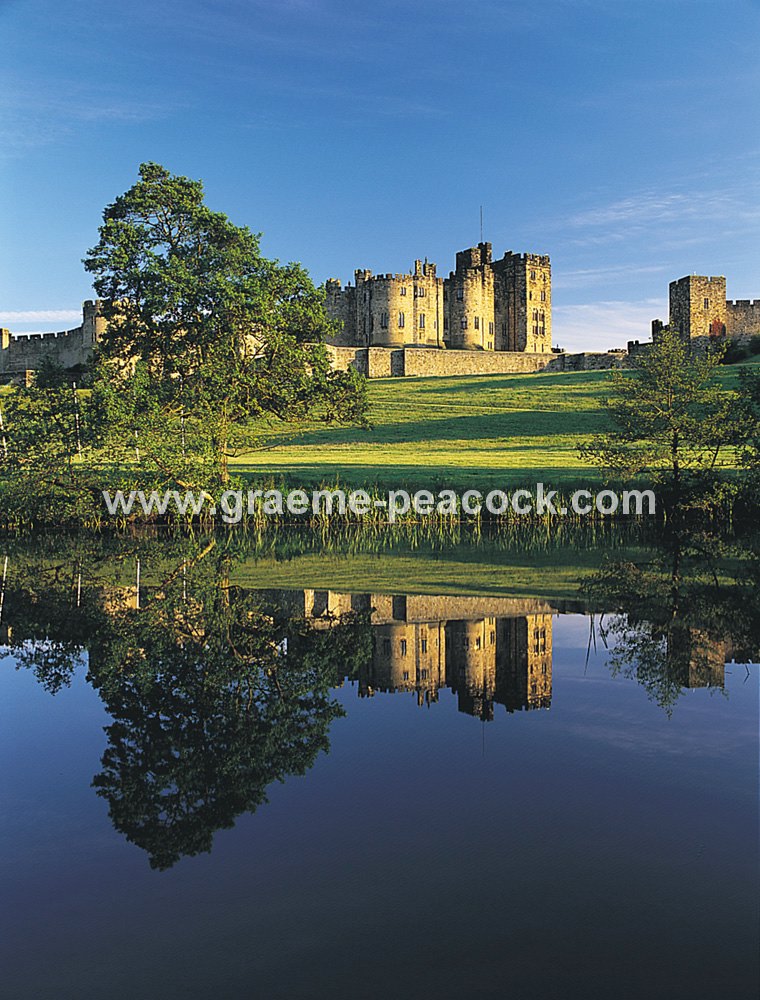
(483, 305)
(699, 308)
(69, 348)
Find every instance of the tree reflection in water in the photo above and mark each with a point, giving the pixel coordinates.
(216, 691)
(678, 618)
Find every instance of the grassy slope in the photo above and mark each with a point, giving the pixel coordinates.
(451, 431)
(484, 431)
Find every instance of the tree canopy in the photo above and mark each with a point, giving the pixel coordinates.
(672, 420)
(204, 332)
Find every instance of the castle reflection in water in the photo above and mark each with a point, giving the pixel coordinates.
(488, 651)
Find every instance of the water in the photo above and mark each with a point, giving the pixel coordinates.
(537, 816)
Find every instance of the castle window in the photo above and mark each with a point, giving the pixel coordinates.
(477, 322)
(532, 275)
(477, 642)
(460, 294)
(490, 345)
(543, 296)
(419, 292)
(403, 289)
(530, 295)
(405, 675)
(384, 320)
(543, 668)
(422, 321)
(707, 303)
(423, 645)
(403, 647)
(401, 319)
(423, 674)
(492, 638)
(464, 323)
(490, 329)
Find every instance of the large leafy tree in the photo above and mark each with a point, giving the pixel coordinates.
(204, 332)
(672, 421)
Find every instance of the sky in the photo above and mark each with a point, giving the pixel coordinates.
(620, 137)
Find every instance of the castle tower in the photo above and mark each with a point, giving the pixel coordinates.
(524, 662)
(469, 301)
(388, 310)
(5, 348)
(523, 302)
(93, 324)
(340, 305)
(698, 306)
(471, 665)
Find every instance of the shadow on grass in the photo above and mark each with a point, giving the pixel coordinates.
(435, 477)
(506, 425)
(593, 382)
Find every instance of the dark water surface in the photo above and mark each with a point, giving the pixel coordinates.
(498, 810)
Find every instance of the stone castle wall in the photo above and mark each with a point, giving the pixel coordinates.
(589, 361)
(743, 318)
(421, 361)
(384, 362)
(69, 348)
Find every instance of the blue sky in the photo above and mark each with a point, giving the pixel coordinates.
(622, 138)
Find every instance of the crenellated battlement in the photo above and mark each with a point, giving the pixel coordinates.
(69, 348)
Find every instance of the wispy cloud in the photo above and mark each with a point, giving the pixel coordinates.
(31, 119)
(599, 326)
(670, 219)
(40, 316)
(584, 277)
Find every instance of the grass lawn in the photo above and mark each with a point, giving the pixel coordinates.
(478, 431)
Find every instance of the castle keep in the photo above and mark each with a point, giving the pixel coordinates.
(483, 305)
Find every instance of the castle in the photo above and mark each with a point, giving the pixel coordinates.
(69, 348)
(698, 308)
(483, 305)
(485, 650)
(489, 317)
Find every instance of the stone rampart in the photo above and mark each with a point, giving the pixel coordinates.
(68, 348)
(742, 318)
(432, 361)
(588, 361)
(385, 362)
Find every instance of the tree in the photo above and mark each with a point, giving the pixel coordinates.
(672, 420)
(670, 618)
(220, 333)
(42, 423)
(214, 691)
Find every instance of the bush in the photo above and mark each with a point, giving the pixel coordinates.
(735, 352)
